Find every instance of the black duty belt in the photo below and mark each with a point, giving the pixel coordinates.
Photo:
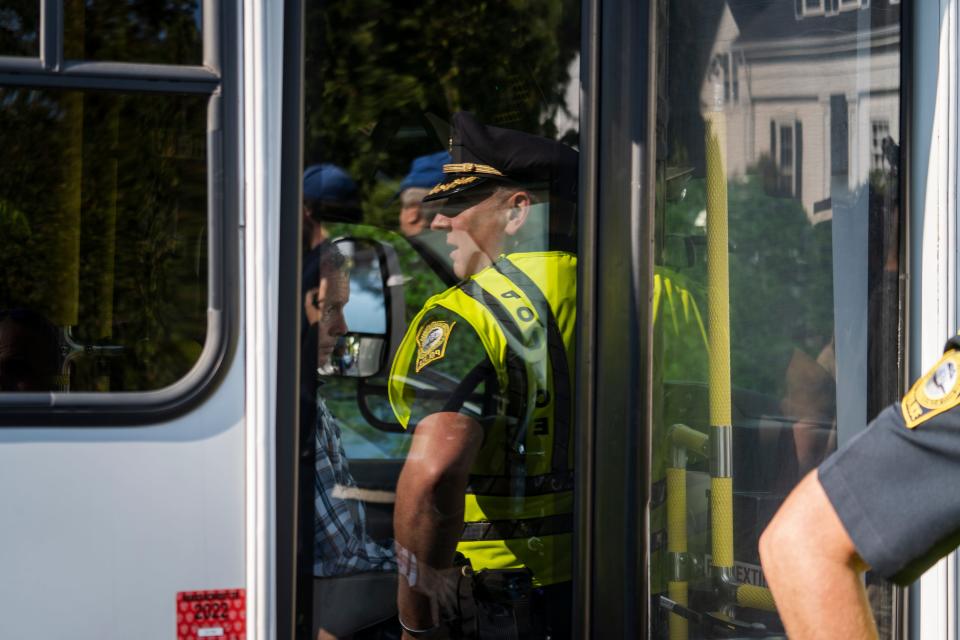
(528, 486)
(512, 529)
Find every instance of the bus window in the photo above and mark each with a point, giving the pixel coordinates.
(18, 28)
(103, 239)
(401, 106)
(776, 288)
(123, 31)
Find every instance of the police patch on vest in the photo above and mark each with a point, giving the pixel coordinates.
(432, 341)
(934, 393)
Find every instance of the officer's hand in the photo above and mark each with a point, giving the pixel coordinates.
(440, 586)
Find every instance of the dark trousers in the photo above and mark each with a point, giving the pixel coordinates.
(553, 607)
(344, 605)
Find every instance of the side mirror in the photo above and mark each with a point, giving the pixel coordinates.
(375, 312)
(357, 356)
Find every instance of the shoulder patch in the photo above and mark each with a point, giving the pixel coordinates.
(936, 392)
(432, 342)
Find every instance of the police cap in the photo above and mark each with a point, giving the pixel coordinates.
(483, 155)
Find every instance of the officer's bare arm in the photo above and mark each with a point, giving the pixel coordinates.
(813, 568)
(428, 517)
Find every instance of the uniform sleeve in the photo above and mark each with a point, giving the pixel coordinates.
(895, 491)
(457, 377)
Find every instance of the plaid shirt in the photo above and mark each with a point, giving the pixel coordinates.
(342, 543)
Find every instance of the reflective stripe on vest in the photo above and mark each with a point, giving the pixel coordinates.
(513, 529)
(531, 485)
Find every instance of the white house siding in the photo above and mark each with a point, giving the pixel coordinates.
(793, 81)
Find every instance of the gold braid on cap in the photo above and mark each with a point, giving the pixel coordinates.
(456, 182)
(469, 167)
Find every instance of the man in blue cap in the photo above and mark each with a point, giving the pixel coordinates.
(329, 194)
(426, 172)
(348, 562)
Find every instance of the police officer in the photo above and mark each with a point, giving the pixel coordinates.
(887, 501)
(490, 470)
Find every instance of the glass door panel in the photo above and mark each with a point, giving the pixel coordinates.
(776, 279)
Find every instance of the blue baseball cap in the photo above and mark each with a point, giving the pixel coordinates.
(329, 183)
(426, 172)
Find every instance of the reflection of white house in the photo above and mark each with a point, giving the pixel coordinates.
(813, 85)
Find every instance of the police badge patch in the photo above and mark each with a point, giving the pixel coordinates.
(432, 341)
(934, 393)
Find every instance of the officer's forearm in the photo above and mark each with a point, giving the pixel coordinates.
(428, 519)
(813, 569)
(428, 515)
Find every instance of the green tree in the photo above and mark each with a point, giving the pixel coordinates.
(103, 198)
(19, 22)
(382, 77)
(781, 279)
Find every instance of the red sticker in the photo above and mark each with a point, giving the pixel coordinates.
(219, 614)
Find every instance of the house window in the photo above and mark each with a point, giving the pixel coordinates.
(735, 75)
(879, 138)
(807, 8)
(786, 150)
(785, 159)
(723, 61)
(810, 8)
(850, 5)
(729, 65)
(839, 136)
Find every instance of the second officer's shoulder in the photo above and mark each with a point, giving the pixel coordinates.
(937, 391)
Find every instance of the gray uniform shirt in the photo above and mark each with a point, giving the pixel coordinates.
(896, 489)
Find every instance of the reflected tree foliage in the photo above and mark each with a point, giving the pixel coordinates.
(103, 200)
(781, 283)
(383, 77)
(19, 25)
(381, 80)
(103, 230)
(133, 31)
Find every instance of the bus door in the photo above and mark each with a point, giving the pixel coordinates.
(777, 202)
(382, 84)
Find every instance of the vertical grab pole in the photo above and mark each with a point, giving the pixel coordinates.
(718, 335)
(677, 585)
(683, 442)
(718, 303)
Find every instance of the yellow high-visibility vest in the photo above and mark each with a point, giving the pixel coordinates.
(519, 501)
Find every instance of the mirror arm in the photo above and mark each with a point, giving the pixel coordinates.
(365, 389)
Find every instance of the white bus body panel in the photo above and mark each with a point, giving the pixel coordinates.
(101, 527)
